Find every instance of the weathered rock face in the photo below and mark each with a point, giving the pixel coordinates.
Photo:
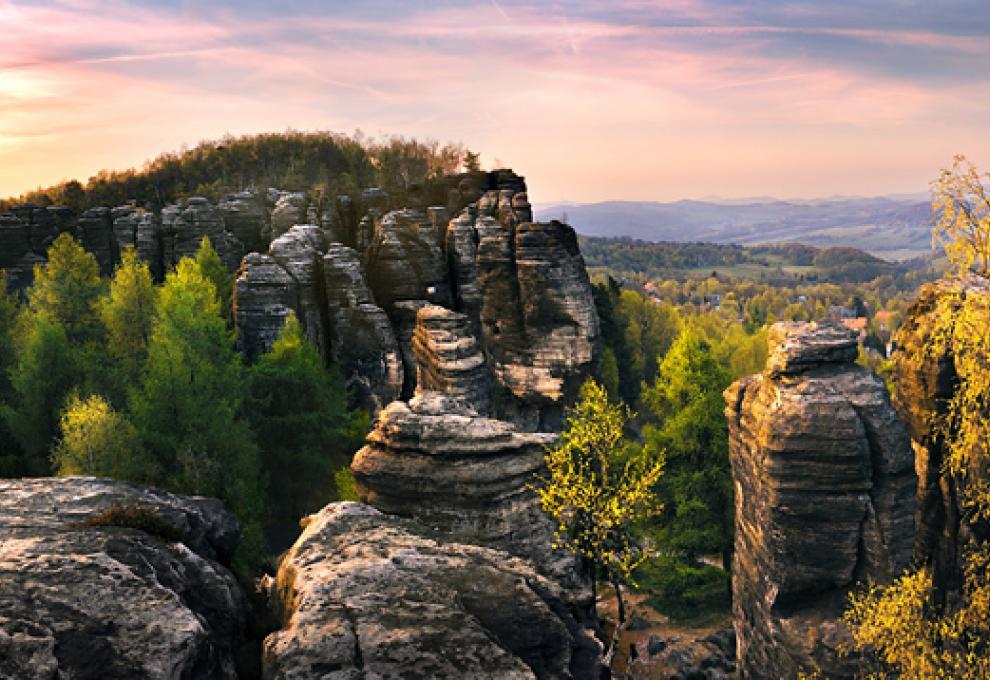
(362, 342)
(200, 218)
(824, 480)
(435, 460)
(406, 262)
(370, 595)
(289, 210)
(300, 251)
(82, 601)
(264, 294)
(449, 360)
(926, 379)
(246, 217)
(95, 233)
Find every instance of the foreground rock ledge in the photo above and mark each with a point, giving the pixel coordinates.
(109, 601)
(364, 594)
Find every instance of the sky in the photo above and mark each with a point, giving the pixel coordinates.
(611, 100)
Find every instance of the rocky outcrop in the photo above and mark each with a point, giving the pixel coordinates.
(362, 342)
(436, 460)
(95, 233)
(264, 294)
(85, 594)
(824, 481)
(927, 376)
(369, 595)
(406, 261)
(300, 251)
(289, 210)
(449, 359)
(200, 218)
(246, 217)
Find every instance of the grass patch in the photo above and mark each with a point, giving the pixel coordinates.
(689, 594)
(134, 516)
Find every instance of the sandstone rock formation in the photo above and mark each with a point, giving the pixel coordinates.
(370, 595)
(95, 233)
(436, 460)
(300, 251)
(926, 378)
(824, 480)
(289, 210)
(406, 262)
(79, 601)
(449, 359)
(264, 294)
(246, 217)
(362, 342)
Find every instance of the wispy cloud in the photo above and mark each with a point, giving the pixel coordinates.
(628, 99)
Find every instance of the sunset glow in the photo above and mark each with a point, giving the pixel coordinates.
(590, 100)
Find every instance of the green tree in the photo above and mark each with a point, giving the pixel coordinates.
(43, 375)
(298, 410)
(187, 409)
(596, 489)
(9, 449)
(98, 441)
(685, 418)
(215, 271)
(67, 289)
(127, 312)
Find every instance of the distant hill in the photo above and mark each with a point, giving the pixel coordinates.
(893, 228)
(776, 264)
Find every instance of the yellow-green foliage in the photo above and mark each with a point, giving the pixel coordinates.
(901, 623)
(594, 490)
(959, 198)
(97, 441)
(128, 312)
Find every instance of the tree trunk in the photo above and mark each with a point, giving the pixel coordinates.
(619, 625)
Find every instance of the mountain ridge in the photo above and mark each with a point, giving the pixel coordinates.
(890, 227)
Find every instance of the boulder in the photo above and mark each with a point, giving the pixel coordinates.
(85, 594)
(825, 482)
(365, 594)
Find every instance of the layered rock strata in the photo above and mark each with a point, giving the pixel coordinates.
(371, 595)
(824, 486)
(449, 359)
(83, 598)
(469, 477)
(927, 376)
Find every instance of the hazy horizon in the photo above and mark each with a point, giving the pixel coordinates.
(591, 101)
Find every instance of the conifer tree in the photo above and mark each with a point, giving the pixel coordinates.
(298, 409)
(188, 407)
(685, 418)
(127, 312)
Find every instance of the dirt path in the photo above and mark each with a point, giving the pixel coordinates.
(644, 622)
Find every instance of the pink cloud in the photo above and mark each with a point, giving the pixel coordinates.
(588, 108)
